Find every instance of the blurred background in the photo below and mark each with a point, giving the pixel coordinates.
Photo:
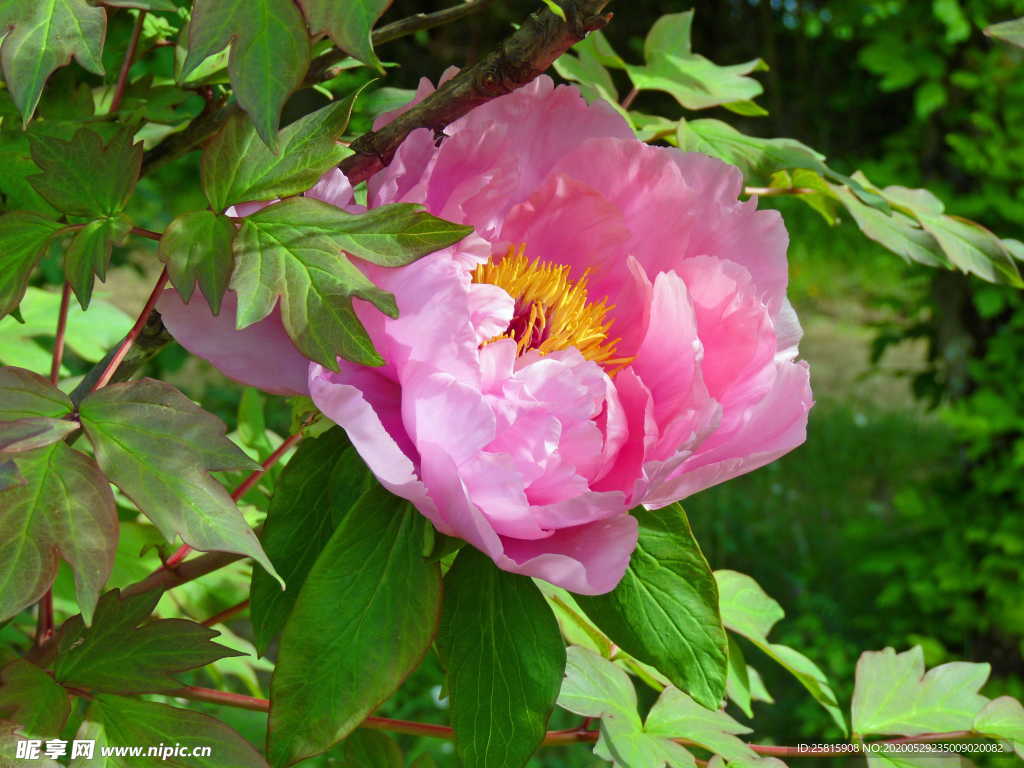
(899, 522)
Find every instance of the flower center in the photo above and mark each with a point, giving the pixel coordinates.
(551, 311)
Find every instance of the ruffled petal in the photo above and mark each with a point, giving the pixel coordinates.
(775, 426)
(588, 560)
(260, 355)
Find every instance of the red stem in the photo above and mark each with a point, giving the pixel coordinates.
(126, 64)
(133, 334)
(270, 461)
(44, 626)
(628, 101)
(58, 341)
(146, 233)
(226, 614)
(241, 490)
(553, 738)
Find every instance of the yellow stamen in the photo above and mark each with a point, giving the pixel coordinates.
(552, 311)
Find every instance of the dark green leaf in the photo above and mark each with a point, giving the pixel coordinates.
(237, 167)
(115, 654)
(505, 662)
(25, 395)
(64, 508)
(85, 177)
(316, 488)
(159, 448)
(29, 697)
(88, 254)
(293, 250)
(269, 52)
(893, 695)
(348, 24)
(747, 610)
(665, 610)
(29, 434)
(23, 240)
(16, 193)
(127, 722)
(46, 34)
(369, 749)
(196, 246)
(1011, 31)
(363, 621)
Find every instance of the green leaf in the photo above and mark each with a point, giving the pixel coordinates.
(196, 246)
(894, 696)
(85, 177)
(966, 244)
(117, 655)
(675, 715)
(292, 249)
(587, 68)
(29, 697)
(369, 749)
(238, 168)
(694, 81)
(1009, 31)
(1002, 718)
(594, 687)
(28, 434)
(665, 610)
(90, 339)
(748, 611)
(46, 34)
(88, 254)
(759, 158)
(576, 628)
(315, 490)
(269, 52)
(24, 237)
(28, 395)
(145, 723)
(63, 508)
(505, 662)
(159, 448)
(348, 23)
(895, 231)
(555, 8)
(737, 685)
(363, 621)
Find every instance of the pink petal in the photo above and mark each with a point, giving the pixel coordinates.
(260, 355)
(588, 560)
(777, 425)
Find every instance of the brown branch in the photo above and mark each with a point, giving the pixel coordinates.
(165, 578)
(529, 51)
(320, 67)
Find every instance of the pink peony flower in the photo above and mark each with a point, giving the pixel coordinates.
(614, 333)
